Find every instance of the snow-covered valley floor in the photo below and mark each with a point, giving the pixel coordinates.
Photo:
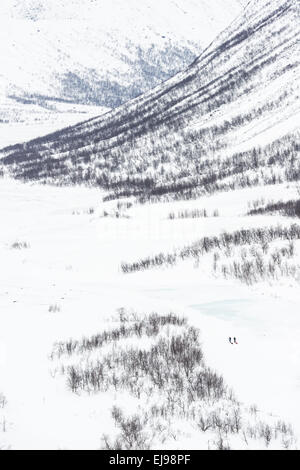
(60, 278)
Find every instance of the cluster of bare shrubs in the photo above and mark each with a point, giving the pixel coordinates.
(126, 172)
(124, 205)
(89, 211)
(255, 204)
(3, 423)
(20, 245)
(147, 150)
(227, 422)
(192, 214)
(173, 362)
(148, 147)
(267, 433)
(224, 242)
(3, 401)
(120, 211)
(149, 326)
(134, 431)
(170, 365)
(159, 361)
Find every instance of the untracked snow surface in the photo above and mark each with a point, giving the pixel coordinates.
(61, 278)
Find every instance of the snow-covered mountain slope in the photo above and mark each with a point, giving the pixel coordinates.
(22, 119)
(96, 53)
(231, 119)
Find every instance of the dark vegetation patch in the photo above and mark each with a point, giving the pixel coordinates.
(158, 360)
(149, 149)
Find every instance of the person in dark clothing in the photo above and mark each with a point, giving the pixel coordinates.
(235, 341)
(230, 340)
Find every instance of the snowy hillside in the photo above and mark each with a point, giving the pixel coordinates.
(58, 55)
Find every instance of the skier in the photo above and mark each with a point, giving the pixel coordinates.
(230, 340)
(235, 341)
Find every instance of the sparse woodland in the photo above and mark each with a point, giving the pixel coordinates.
(165, 371)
